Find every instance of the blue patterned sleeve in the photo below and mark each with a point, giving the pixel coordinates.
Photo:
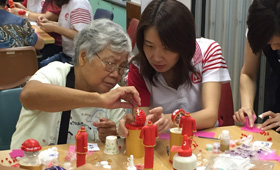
(30, 35)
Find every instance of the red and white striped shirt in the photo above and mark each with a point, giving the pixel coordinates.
(74, 15)
(211, 67)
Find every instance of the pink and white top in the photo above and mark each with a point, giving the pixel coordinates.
(210, 66)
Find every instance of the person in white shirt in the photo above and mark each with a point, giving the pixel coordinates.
(174, 69)
(73, 17)
(101, 56)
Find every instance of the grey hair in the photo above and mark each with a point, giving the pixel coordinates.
(98, 35)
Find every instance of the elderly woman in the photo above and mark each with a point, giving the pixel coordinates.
(101, 56)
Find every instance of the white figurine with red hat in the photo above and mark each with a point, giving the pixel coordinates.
(31, 148)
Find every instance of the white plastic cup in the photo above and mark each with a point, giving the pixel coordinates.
(111, 146)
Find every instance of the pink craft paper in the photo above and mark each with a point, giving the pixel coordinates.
(90, 152)
(269, 156)
(204, 134)
(247, 127)
(72, 148)
(16, 153)
(165, 136)
(253, 129)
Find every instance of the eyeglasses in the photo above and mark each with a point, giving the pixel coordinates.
(111, 67)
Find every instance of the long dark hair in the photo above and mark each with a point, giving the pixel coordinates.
(263, 22)
(175, 26)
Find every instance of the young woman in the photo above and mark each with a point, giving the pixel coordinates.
(263, 36)
(174, 69)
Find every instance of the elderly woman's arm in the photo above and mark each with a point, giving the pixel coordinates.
(51, 98)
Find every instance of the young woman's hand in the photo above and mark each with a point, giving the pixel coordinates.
(158, 118)
(272, 122)
(239, 116)
(122, 130)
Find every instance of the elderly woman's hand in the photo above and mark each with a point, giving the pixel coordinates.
(272, 122)
(105, 128)
(158, 118)
(121, 97)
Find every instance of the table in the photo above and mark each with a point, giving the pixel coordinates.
(45, 36)
(161, 159)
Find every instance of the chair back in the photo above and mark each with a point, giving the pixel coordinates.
(17, 65)
(131, 31)
(103, 13)
(10, 107)
(226, 110)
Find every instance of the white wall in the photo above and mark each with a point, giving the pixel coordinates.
(187, 3)
(136, 1)
(144, 3)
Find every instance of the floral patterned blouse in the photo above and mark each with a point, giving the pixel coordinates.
(15, 31)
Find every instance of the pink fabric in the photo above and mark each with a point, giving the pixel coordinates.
(205, 134)
(16, 153)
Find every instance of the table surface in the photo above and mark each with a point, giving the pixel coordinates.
(45, 36)
(161, 158)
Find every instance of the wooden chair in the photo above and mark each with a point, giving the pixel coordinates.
(226, 109)
(131, 31)
(133, 10)
(17, 65)
(103, 13)
(10, 107)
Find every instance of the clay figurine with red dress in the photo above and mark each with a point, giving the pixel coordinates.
(81, 146)
(149, 133)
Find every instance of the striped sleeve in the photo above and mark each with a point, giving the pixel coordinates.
(213, 58)
(80, 15)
